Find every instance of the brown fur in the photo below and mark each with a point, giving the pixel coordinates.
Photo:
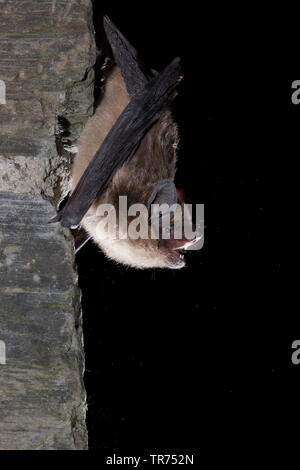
(154, 160)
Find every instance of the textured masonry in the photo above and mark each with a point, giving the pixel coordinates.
(47, 54)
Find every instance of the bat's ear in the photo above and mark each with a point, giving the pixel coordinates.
(164, 193)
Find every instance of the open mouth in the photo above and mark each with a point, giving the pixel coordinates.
(179, 252)
(186, 245)
(177, 260)
(180, 248)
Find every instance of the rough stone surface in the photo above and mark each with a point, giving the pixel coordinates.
(47, 54)
(42, 395)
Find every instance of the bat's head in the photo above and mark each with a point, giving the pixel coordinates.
(153, 236)
(160, 247)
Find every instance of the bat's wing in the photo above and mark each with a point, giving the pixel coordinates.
(119, 145)
(125, 57)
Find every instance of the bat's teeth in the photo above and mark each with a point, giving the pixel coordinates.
(192, 242)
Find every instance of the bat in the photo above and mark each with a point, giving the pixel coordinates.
(128, 148)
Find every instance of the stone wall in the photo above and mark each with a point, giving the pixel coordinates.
(47, 54)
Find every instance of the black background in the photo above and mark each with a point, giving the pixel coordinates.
(201, 358)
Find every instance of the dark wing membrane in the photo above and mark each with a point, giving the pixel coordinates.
(120, 143)
(125, 57)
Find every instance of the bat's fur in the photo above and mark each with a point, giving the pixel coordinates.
(154, 160)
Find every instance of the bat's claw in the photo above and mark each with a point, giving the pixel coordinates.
(54, 219)
(59, 218)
